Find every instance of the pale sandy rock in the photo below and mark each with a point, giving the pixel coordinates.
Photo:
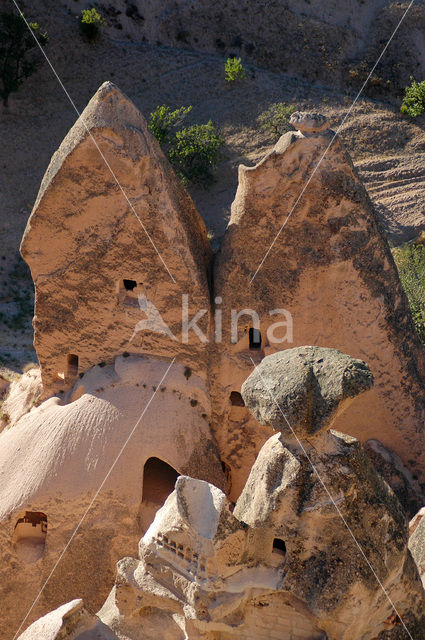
(54, 459)
(23, 394)
(71, 621)
(109, 279)
(417, 542)
(192, 581)
(200, 505)
(329, 279)
(288, 562)
(276, 477)
(281, 561)
(196, 512)
(416, 520)
(300, 490)
(282, 566)
(323, 567)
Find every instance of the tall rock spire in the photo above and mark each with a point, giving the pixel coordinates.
(323, 258)
(113, 243)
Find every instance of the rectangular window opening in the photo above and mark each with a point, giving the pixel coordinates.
(72, 365)
(254, 338)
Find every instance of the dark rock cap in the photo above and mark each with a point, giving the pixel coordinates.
(309, 122)
(305, 388)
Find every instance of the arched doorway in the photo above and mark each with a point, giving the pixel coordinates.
(159, 479)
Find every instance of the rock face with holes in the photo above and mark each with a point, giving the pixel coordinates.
(285, 564)
(304, 261)
(317, 490)
(120, 262)
(203, 573)
(67, 455)
(316, 546)
(325, 572)
(113, 243)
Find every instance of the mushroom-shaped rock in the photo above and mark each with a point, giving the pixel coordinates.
(309, 123)
(302, 390)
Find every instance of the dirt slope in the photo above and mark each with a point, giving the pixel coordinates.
(320, 41)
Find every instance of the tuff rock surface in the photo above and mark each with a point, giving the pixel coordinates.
(54, 459)
(110, 291)
(304, 249)
(71, 620)
(417, 542)
(113, 240)
(315, 549)
(240, 581)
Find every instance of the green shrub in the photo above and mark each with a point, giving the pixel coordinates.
(16, 42)
(414, 99)
(234, 70)
(162, 120)
(275, 120)
(90, 23)
(410, 260)
(195, 151)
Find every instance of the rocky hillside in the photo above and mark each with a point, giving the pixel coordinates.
(334, 43)
(150, 58)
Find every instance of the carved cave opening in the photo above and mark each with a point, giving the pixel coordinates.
(236, 399)
(72, 365)
(29, 536)
(128, 292)
(129, 285)
(159, 479)
(279, 547)
(254, 338)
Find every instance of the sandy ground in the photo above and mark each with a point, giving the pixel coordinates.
(388, 149)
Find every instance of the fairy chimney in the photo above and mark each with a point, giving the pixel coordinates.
(304, 261)
(117, 251)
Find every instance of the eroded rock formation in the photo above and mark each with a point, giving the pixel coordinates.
(71, 620)
(100, 266)
(315, 549)
(55, 459)
(417, 542)
(303, 239)
(113, 286)
(325, 475)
